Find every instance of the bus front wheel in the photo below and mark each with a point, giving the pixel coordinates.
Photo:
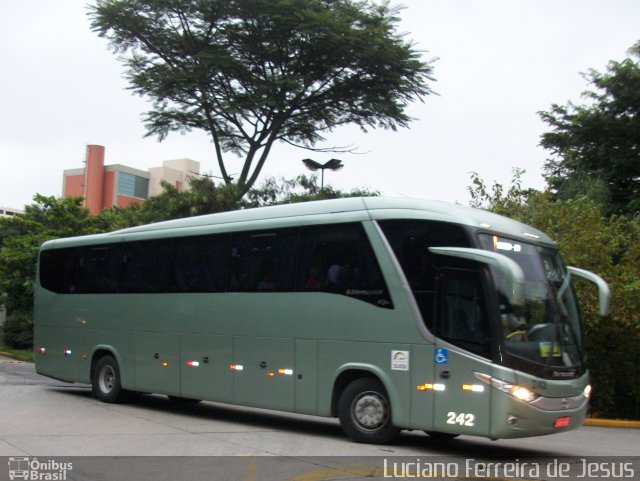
(106, 383)
(365, 412)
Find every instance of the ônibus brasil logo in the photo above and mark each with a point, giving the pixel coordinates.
(34, 470)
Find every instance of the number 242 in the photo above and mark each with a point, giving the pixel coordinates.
(463, 419)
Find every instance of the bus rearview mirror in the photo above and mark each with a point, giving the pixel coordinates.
(507, 267)
(604, 293)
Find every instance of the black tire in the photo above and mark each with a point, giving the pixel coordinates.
(365, 412)
(106, 382)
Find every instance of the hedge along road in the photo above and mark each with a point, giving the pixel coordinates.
(45, 417)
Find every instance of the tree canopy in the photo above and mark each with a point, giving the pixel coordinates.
(596, 146)
(608, 245)
(254, 72)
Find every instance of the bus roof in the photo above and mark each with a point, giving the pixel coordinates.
(325, 211)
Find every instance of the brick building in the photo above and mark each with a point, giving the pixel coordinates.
(104, 186)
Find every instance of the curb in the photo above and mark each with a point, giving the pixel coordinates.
(611, 423)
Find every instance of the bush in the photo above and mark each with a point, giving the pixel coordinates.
(18, 331)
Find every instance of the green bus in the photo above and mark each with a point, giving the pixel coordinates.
(388, 314)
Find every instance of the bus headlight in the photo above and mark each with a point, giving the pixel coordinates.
(523, 394)
(519, 392)
(587, 391)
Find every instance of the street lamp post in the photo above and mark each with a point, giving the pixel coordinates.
(312, 165)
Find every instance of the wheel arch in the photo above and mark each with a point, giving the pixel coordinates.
(351, 372)
(106, 350)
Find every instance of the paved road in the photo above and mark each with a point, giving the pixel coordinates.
(44, 417)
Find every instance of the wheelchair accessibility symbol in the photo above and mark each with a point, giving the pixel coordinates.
(441, 356)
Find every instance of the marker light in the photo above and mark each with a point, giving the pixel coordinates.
(67, 352)
(192, 363)
(473, 387)
(236, 367)
(42, 351)
(286, 372)
(587, 391)
(164, 363)
(271, 374)
(562, 422)
(431, 387)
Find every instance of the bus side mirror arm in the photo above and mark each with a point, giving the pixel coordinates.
(508, 267)
(604, 293)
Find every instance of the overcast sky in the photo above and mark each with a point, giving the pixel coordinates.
(500, 62)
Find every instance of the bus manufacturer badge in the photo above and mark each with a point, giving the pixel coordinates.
(400, 360)
(441, 356)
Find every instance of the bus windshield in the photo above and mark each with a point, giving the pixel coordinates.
(544, 335)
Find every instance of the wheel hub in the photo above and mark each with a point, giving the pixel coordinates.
(370, 411)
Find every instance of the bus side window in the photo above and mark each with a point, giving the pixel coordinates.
(410, 241)
(339, 259)
(263, 261)
(145, 266)
(86, 270)
(461, 314)
(199, 264)
(97, 270)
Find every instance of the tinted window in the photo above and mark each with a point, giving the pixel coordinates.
(410, 241)
(145, 267)
(462, 316)
(199, 264)
(263, 261)
(339, 259)
(85, 270)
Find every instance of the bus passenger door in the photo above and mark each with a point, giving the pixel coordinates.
(462, 402)
(264, 372)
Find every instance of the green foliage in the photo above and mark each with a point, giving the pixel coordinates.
(300, 189)
(18, 330)
(595, 145)
(20, 238)
(608, 246)
(206, 197)
(254, 72)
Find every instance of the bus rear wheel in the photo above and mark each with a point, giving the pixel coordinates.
(365, 412)
(106, 383)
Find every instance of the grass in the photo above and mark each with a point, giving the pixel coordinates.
(19, 354)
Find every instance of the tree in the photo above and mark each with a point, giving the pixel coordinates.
(300, 189)
(607, 245)
(254, 72)
(20, 238)
(596, 146)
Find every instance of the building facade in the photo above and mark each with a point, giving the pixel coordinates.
(105, 186)
(9, 211)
